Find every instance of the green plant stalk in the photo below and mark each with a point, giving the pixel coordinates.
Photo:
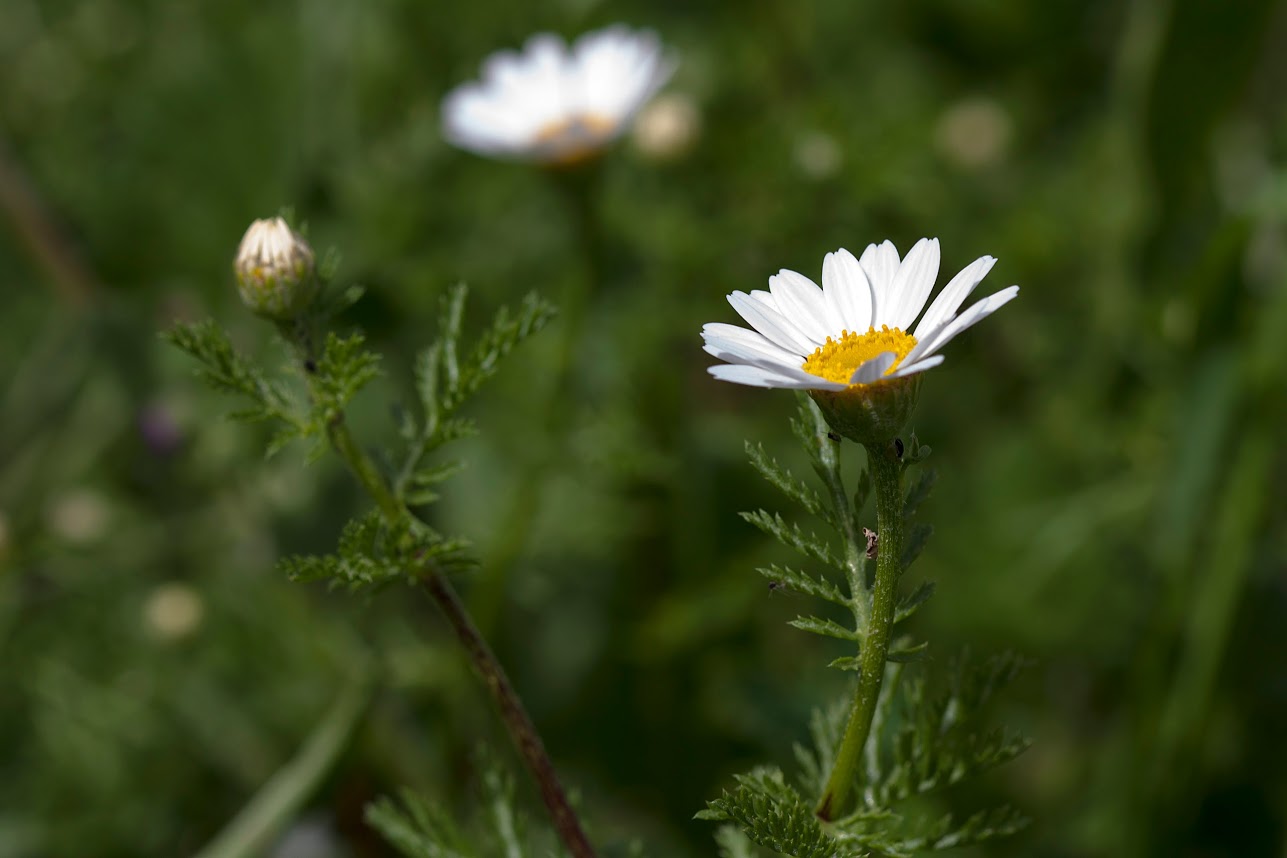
(517, 721)
(887, 474)
(1213, 608)
(253, 830)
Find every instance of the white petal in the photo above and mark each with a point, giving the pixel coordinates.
(880, 263)
(761, 316)
(618, 70)
(873, 369)
(801, 301)
(749, 347)
(758, 377)
(847, 291)
(720, 331)
(919, 366)
(978, 310)
(475, 118)
(912, 285)
(953, 295)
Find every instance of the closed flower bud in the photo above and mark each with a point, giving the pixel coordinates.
(275, 270)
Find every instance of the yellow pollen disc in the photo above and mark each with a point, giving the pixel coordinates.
(573, 140)
(836, 360)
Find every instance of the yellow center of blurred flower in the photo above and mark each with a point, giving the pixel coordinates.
(570, 141)
(836, 360)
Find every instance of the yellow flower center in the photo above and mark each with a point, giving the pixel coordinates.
(836, 360)
(570, 141)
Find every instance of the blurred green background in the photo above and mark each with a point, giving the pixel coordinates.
(1111, 498)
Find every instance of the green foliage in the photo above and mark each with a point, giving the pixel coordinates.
(226, 370)
(733, 843)
(344, 368)
(938, 742)
(918, 745)
(377, 547)
(1131, 181)
(421, 828)
(845, 517)
(371, 550)
(418, 828)
(773, 814)
(445, 380)
(792, 536)
(919, 748)
(788, 483)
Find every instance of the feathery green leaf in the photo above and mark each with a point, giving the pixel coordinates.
(810, 545)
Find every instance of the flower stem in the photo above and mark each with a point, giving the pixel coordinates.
(254, 829)
(520, 726)
(516, 719)
(887, 471)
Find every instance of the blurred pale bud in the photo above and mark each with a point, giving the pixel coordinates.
(668, 127)
(818, 155)
(79, 517)
(173, 611)
(275, 270)
(974, 133)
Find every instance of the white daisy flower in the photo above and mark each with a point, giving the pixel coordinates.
(848, 342)
(553, 105)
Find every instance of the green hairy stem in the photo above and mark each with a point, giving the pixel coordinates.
(885, 465)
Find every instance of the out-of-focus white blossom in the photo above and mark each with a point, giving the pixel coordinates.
(557, 105)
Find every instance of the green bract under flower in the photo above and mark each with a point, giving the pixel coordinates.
(274, 268)
(851, 343)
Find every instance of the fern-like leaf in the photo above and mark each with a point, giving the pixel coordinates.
(981, 827)
(417, 828)
(802, 582)
(808, 544)
(919, 491)
(787, 483)
(826, 628)
(911, 603)
(917, 537)
(344, 368)
(772, 814)
(224, 369)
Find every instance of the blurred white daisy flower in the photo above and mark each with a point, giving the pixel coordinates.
(850, 342)
(556, 105)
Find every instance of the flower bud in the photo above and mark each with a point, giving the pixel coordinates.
(668, 127)
(275, 270)
(870, 413)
